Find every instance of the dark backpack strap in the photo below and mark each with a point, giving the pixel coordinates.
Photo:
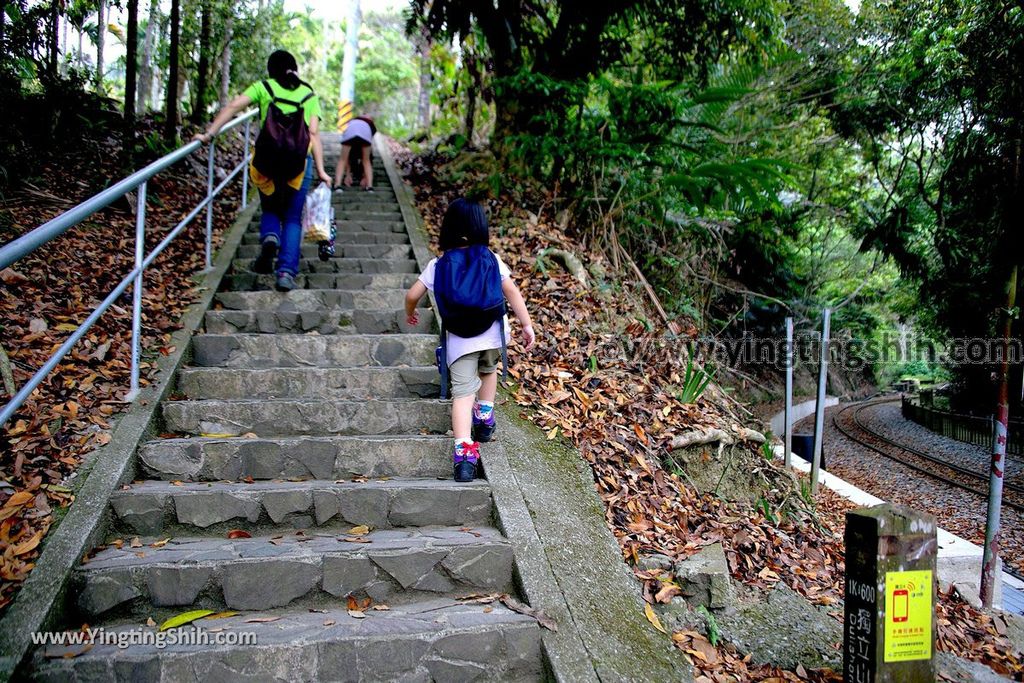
(442, 366)
(504, 348)
(274, 99)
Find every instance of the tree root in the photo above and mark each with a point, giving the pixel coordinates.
(569, 261)
(702, 437)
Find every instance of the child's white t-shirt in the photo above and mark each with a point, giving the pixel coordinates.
(489, 339)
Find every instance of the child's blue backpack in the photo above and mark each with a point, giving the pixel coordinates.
(467, 287)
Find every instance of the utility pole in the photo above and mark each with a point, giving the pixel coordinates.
(348, 64)
(990, 559)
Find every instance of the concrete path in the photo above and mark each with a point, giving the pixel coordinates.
(301, 417)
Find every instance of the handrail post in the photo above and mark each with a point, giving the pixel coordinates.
(245, 165)
(819, 406)
(787, 434)
(209, 204)
(140, 249)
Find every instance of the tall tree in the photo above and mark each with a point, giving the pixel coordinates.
(171, 109)
(202, 78)
(935, 98)
(423, 107)
(130, 71)
(572, 40)
(54, 37)
(145, 89)
(225, 59)
(101, 34)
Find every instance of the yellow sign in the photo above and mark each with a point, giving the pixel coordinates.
(908, 616)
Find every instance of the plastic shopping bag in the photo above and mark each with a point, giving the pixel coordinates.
(316, 215)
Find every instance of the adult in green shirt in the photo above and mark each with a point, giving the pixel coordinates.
(280, 199)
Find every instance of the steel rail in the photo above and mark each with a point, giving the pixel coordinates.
(918, 468)
(136, 182)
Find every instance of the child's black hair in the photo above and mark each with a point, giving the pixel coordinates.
(464, 224)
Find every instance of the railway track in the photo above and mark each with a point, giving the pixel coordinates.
(930, 465)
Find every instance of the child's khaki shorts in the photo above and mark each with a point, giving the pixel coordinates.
(465, 372)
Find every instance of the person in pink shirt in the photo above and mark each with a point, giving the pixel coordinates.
(472, 361)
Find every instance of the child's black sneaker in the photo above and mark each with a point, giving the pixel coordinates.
(264, 263)
(484, 423)
(466, 457)
(325, 249)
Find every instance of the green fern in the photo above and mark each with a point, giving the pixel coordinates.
(695, 381)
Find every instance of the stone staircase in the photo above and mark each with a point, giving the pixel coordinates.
(302, 416)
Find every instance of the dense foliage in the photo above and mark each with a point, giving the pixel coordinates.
(934, 98)
(753, 160)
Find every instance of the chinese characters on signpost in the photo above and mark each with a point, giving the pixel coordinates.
(889, 612)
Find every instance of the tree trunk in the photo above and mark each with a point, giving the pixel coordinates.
(473, 89)
(171, 109)
(145, 89)
(54, 38)
(199, 111)
(64, 46)
(351, 55)
(131, 72)
(3, 24)
(225, 60)
(81, 48)
(101, 33)
(423, 110)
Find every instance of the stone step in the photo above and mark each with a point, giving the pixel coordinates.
(327, 321)
(315, 568)
(369, 383)
(347, 237)
(353, 226)
(159, 508)
(299, 300)
(299, 417)
(380, 194)
(259, 282)
(363, 212)
(429, 640)
(330, 457)
(340, 265)
(354, 251)
(312, 350)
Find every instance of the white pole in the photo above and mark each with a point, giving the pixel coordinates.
(348, 63)
(209, 205)
(787, 440)
(140, 253)
(819, 407)
(245, 166)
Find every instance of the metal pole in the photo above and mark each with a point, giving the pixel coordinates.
(819, 406)
(787, 440)
(990, 559)
(245, 164)
(140, 252)
(209, 205)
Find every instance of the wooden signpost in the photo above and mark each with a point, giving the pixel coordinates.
(889, 630)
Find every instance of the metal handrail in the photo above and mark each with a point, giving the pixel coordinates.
(28, 243)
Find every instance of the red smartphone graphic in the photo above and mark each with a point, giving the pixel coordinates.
(900, 605)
